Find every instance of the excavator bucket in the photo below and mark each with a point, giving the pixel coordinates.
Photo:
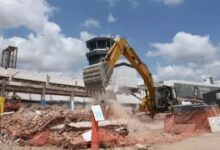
(96, 77)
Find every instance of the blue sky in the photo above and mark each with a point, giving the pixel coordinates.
(177, 39)
(147, 22)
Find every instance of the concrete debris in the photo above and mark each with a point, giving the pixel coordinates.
(40, 139)
(27, 122)
(7, 113)
(58, 127)
(37, 126)
(17, 140)
(142, 146)
(63, 128)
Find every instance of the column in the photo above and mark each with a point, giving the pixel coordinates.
(43, 101)
(72, 104)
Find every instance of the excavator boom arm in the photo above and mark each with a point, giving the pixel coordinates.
(121, 47)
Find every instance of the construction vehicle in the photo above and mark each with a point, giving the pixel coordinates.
(12, 103)
(96, 77)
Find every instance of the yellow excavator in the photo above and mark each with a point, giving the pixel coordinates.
(96, 77)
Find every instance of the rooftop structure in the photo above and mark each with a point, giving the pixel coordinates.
(9, 57)
(189, 89)
(98, 48)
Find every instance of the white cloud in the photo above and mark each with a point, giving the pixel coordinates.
(49, 52)
(171, 72)
(185, 72)
(134, 3)
(29, 13)
(171, 3)
(90, 22)
(187, 57)
(46, 48)
(212, 69)
(186, 47)
(113, 3)
(84, 35)
(111, 18)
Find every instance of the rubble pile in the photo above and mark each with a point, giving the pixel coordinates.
(57, 126)
(63, 128)
(28, 121)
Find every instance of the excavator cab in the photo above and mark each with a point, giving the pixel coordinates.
(165, 98)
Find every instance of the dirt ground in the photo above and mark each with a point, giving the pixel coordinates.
(15, 147)
(208, 141)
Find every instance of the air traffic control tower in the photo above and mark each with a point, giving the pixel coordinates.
(98, 48)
